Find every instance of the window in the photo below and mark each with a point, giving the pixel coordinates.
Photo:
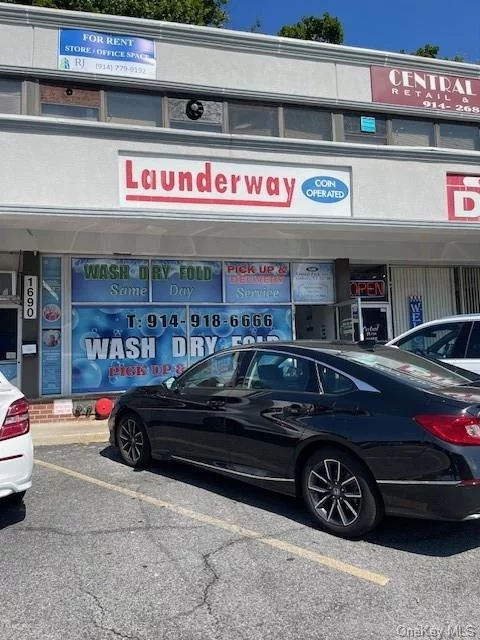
(134, 108)
(473, 349)
(364, 129)
(10, 96)
(312, 124)
(210, 120)
(69, 102)
(282, 372)
(335, 382)
(251, 119)
(413, 133)
(216, 372)
(438, 340)
(459, 136)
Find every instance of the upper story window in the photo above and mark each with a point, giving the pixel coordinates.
(459, 136)
(195, 114)
(365, 129)
(126, 107)
(69, 102)
(10, 96)
(413, 133)
(310, 124)
(253, 119)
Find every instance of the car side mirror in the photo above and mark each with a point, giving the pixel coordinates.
(171, 383)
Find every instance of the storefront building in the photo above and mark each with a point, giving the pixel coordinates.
(168, 190)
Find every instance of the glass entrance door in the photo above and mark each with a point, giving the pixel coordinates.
(374, 322)
(9, 344)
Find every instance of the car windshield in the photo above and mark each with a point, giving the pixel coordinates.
(412, 368)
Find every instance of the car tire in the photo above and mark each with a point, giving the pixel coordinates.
(340, 494)
(133, 442)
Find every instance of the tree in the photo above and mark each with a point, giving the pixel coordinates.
(432, 51)
(324, 29)
(201, 12)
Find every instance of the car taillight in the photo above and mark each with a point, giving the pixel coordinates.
(463, 429)
(17, 420)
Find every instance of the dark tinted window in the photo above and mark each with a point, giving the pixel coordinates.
(134, 108)
(312, 124)
(473, 349)
(216, 372)
(253, 119)
(282, 372)
(446, 340)
(334, 382)
(365, 129)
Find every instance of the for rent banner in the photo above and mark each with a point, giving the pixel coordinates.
(249, 282)
(218, 327)
(115, 348)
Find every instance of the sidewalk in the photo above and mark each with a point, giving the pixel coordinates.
(72, 432)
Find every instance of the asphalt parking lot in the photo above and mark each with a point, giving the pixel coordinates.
(102, 551)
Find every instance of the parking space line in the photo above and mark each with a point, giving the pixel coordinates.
(276, 543)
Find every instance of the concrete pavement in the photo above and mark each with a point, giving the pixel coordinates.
(71, 432)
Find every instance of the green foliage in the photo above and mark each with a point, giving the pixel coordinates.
(201, 12)
(324, 29)
(432, 51)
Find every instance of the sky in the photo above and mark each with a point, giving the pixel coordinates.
(376, 24)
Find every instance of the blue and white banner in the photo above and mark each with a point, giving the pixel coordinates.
(110, 280)
(415, 308)
(251, 282)
(313, 283)
(115, 348)
(106, 53)
(178, 281)
(218, 327)
(51, 325)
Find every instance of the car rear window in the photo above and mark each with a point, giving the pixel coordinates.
(410, 368)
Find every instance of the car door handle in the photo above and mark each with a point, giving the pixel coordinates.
(216, 404)
(294, 410)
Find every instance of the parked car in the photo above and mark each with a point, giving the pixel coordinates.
(455, 339)
(355, 432)
(16, 448)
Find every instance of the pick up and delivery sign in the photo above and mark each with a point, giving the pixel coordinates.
(156, 182)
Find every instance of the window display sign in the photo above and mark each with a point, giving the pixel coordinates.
(312, 283)
(178, 281)
(110, 280)
(115, 348)
(415, 88)
(218, 327)
(51, 325)
(106, 53)
(251, 282)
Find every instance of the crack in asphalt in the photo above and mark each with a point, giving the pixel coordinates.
(82, 534)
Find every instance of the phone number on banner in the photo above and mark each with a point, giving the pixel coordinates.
(206, 320)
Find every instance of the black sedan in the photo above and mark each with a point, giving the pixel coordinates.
(356, 432)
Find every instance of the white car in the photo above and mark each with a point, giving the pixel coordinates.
(455, 339)
(16, 447)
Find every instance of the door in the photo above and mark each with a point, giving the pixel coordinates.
(10, 356)
(376, 321)
(188, 420)
(267, 413)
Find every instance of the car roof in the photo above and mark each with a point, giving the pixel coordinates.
(336, 346)
(471, 317)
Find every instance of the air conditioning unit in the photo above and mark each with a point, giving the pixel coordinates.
(8, 284)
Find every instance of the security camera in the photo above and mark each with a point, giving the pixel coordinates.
(194, 109)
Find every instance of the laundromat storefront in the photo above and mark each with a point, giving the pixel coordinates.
(112, 323)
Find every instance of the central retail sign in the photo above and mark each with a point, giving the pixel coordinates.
(173, 184)
(415, 88)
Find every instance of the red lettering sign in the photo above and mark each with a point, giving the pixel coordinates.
(463, 198)
(367, 288)
(415, 88)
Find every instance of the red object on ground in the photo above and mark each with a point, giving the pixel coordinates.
(103, 408)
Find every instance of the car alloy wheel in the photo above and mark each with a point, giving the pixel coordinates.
(335, 492)
(340, 493)
(133, 441)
